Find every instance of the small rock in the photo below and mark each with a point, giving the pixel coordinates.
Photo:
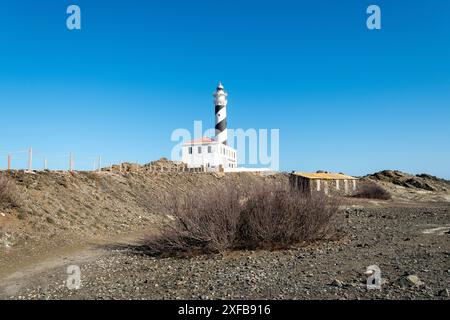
(337, 283)
(411, 280)
(444, 293)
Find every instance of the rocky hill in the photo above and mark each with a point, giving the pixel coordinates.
(420, 181)
(407, 187)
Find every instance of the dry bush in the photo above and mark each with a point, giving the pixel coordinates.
(265, 216)
(9, 196)
(370, 190)
(200, 221)
(278, 216)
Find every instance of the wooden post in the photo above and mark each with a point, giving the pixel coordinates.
(9, 162)
(71, 162)
(45, 164)
(99, 164)
(30, 159)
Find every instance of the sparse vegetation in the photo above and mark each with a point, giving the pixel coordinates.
(8, 193)
(22, 216)
(277, 217)
(262, 216)
(371, 190)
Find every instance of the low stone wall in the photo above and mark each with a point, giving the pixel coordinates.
(157, 168)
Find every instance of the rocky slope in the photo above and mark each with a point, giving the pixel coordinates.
(406, 187)
(421, 181)
(62, 208)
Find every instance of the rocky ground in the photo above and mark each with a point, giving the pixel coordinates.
(411, 246)
(94, 221)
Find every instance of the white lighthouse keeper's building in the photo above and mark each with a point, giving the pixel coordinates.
(212, 153)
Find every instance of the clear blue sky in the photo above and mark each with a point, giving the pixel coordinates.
(344, 98)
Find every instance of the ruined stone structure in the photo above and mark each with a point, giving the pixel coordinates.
(328, 183)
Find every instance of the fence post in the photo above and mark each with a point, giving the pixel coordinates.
(99, 164)
(9, 162)
(45, 164)
(71, 162)
(30, 159)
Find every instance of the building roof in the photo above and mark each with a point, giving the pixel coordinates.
(202, 140)
(324, 176)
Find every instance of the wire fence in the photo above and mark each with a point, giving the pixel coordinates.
(31, 161)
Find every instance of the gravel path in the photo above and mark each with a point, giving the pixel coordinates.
(403, 242)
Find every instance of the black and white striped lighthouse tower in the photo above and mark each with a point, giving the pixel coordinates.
(220, 102)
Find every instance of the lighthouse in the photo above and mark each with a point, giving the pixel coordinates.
(212, 153)
(220, 103)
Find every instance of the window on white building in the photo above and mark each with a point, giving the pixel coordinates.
(199, 149)
(209, 149)
(190, 150)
